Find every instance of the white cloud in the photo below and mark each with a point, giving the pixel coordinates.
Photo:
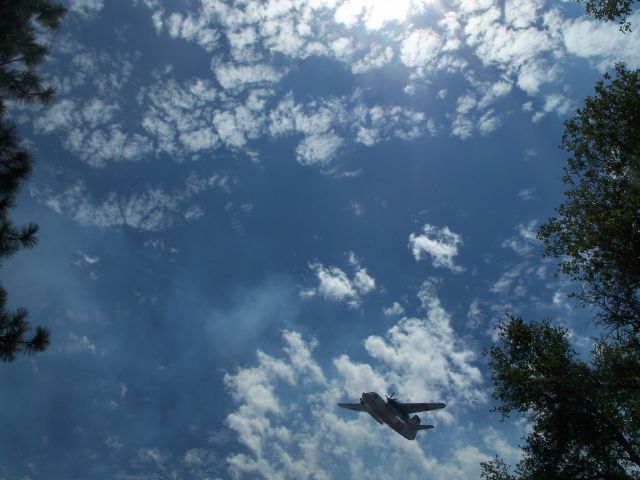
(79, 344)
(377, 57)
(178, 116)
(420, 47)
(526, 240)
(488, 122)
(441, 244)
(155, 209)
(193, 28)
(507, 280)
(356, 208)
(334, 284)
(602, 42)
(238, 77)
(86, 8)
(318, 149)
(393, 310)
(84, 259)
(522, 13)
(474, 315)
(527, 194)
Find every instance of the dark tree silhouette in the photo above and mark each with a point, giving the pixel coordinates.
(610, 11)
(584, 413)
(596, 234)
(20, 55)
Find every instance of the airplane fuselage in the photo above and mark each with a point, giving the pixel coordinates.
(394, 413)
(383, 412)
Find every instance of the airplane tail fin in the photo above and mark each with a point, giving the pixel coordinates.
(411, 431)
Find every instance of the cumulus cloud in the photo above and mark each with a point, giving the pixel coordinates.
(318, 149)
(393, 310)
(602, 42)
(334, 284)
(420, 47)
(307, 437)
(441, 244)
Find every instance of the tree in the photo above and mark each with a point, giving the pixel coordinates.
(20, 55)
(610, 10)
(584, 416)
(20, 52)
(584, 412)
(597, 231)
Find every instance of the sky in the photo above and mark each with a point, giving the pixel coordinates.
(252, 210)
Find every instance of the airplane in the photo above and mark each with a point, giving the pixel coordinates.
(394, 413)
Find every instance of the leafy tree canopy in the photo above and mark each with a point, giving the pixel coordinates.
(584, 416)
(610, 10)
(584, 413)
(20, 51)
(596, 234)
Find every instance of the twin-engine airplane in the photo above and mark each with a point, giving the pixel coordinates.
(394, 413)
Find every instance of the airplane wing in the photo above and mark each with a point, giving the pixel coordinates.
(353, 406)
(419, 407)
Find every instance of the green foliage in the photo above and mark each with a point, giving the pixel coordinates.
(583, 426)
(13, 331)
(20, 55)
(597, 231)
(584, 413)
(610, 10)
(20, 52)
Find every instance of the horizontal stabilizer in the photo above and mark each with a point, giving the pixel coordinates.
(422, 427)
(358, 407)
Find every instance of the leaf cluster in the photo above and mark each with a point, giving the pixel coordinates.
(20, 50)
(596, 233)
(584, 416)
(610, 10)
(584, 413)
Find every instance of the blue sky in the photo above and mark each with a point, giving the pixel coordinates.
(252, 210)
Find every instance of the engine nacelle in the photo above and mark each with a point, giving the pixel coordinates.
(415, 420)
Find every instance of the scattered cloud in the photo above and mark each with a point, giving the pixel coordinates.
(153, 210)
(510, 282)
(527, 194)
(318, 149)
(79, 344)
(394, 310)
(334, 284)
(441, 244)
(602, 43)
(475, 317)
(526, 240)
(238, 77)
(85, 8)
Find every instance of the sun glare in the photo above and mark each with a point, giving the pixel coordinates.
(374, 14)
